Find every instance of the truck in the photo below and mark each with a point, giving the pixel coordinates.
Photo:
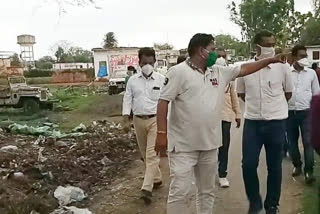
(117, 83)
(18, 94)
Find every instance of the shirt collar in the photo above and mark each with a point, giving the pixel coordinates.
(194, 67)
(151, 77)
(294, 70)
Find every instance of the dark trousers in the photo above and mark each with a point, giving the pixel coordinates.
(300, 120)
(271, 135)
(223, 154)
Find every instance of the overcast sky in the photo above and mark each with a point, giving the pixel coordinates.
(135, 23)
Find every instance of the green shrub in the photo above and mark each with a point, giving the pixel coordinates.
(38, 73)
(39, 80)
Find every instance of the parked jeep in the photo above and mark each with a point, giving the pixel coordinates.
(117, 82)
(18, 94)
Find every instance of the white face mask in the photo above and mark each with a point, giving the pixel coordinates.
(303, 62)
(221, 61)
(147, 69)
(266, 52)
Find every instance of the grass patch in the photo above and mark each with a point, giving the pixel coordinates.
(311, 193)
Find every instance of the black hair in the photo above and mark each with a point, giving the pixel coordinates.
(258, 37)
(314, 66)
(147, 52)
(297, 48)
(199, 40)
(181, 58)
(131, 68)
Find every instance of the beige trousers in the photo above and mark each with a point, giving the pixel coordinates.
(184, 167)
(146, 131)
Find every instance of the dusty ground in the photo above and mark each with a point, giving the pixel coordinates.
(112, 188)
(124, 199)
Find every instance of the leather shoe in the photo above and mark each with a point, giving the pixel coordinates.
(146, 196)
(296, 171)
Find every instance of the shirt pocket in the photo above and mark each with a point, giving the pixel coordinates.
(276, 88)
(155, 93)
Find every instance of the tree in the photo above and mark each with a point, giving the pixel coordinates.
(110, 41)
(163, 46)
(45, 62)
(230, 42)
(255, 15)
(311, 33)
(59, 54)
(296, 25)
(73, 54)
(15, 61)
(316, 8)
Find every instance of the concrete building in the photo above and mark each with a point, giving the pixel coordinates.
(313, 54)
(109, 61)
(71, 66)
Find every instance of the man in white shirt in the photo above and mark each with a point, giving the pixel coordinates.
(266, 109)
(305, 86)
(231, 112)
(196, 92)
(141, 96)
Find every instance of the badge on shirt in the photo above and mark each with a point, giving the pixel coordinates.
(214, 82)
(166, 81)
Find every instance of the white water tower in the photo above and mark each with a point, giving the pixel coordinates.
(26, 43)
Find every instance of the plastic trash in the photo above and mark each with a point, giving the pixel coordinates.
(68, 195)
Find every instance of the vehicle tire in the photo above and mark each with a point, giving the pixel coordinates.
(110, 92)
(30, 106)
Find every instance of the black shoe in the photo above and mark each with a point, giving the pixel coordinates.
(157, 185)
(272, 210)
(309, 178)
(146, 196)
(255, 210)
(296, 171)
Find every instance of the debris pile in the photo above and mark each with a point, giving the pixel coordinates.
(45, 174)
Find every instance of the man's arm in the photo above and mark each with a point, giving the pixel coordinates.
(162, 114)
(127, 105)
(288, 84)
(315, 85)
(241, 88)
(252, 67)
(235, 104)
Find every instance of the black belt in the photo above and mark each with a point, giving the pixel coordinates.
(145, 117)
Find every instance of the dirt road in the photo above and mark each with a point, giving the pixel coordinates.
(124, 197)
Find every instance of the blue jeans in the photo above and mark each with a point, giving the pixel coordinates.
(223, 154)
(271, 135)
(300, 120)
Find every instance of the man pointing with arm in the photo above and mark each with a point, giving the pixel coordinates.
(194, 133)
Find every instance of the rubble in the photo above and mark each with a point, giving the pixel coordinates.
(8, 148)
(71, 210)
(68, 195)
(91, 162)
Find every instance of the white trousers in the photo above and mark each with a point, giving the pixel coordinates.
(183, 168)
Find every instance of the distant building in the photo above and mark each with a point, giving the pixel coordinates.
(108, 61)
(71, 66)
(313, 54)
(7, 70)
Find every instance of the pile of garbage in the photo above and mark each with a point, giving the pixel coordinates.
(63, 170)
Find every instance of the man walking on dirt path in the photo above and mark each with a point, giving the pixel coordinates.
(266, 109)
(230, 112)
(306, 85)
(196, 92)
(141, 96)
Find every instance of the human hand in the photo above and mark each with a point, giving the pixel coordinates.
(161, 144)
(238, 121)
(126, 123)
